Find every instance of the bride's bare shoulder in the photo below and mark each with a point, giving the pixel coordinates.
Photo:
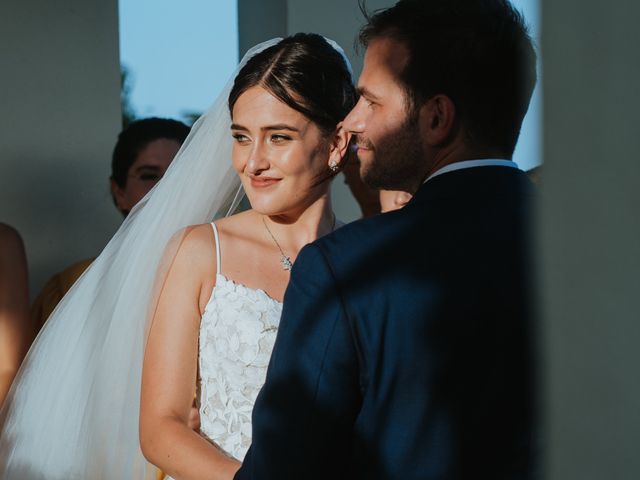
(194, 245)
(198, 241)
(239, 226)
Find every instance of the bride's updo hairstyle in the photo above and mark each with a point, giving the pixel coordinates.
(305, 72)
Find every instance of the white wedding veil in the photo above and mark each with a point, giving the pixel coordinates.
(73, 410)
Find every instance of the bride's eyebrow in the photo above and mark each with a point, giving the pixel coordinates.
(280, 126)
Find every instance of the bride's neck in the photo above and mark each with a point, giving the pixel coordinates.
(296, 229)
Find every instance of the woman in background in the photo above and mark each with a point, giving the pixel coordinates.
(16, 330)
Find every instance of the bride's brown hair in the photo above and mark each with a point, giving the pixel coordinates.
(305, 72)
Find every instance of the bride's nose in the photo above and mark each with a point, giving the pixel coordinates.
(258, 160)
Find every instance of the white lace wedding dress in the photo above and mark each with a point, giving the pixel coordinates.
(237, 333)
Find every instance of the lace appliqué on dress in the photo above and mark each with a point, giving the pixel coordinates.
(237, 333)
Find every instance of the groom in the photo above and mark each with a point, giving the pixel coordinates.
(405, 348)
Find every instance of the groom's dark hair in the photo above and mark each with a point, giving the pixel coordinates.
(476, 52)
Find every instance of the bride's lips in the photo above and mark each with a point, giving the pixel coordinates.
(263, 182)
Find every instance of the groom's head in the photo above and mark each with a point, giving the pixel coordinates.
(443, 81)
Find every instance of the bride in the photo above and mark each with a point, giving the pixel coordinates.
(221, 300)
(209, 316)
(219, 309)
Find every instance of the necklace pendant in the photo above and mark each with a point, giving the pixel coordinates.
(286, 263)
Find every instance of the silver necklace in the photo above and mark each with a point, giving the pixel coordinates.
(284, 260)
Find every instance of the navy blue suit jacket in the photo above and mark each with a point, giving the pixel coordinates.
(405, 345)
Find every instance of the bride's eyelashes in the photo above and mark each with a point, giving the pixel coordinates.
(279, 138)
(276, 138)
(240, 138)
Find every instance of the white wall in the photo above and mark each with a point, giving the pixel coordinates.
(337, 19)
(59, 92)
(260, 20)
(591, 239)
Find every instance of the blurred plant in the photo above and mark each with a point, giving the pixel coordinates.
(190, 117)
(128, 112)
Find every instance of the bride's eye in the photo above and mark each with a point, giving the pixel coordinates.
(279, 138)
(240, 138)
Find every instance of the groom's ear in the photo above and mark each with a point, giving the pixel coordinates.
(437, 118)
(339, 144)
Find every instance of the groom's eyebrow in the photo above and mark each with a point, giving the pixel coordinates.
(366, 93)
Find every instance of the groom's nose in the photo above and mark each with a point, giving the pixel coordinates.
(354, 121)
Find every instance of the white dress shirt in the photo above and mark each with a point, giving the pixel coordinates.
(452, 167)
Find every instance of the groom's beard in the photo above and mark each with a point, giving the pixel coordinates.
(397, 161)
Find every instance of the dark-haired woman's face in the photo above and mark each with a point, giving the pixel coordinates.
(147, 170)
(281, 156)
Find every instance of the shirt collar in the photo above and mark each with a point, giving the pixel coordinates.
(493, 162)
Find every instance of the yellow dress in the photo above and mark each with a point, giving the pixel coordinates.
(53, 291)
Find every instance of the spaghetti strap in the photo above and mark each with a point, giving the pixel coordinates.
(215, 234)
